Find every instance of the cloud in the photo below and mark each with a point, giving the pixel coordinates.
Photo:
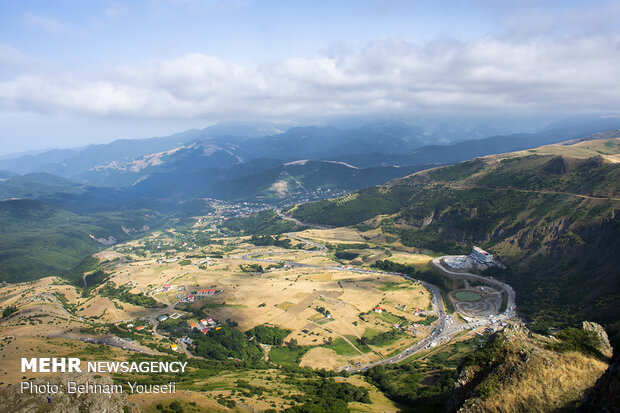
(50, 24)
(482, 75)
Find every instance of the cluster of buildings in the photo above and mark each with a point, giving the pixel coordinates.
(207, 292)
(205, 325)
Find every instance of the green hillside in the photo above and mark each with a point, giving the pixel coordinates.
(550, 217)
(302, 178)
(39, 239)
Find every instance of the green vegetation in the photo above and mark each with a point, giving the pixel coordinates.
(7, 311)
(341, 347)
(327, 395)
(121, 294)
(40, 240)
(382, 339)
(403, 383)
(574, 339)
(346, 255)
(287, 355)
(468, 296)
(251, 268)
(224, 343)
(369, 203)
(268, 240)
(261, 223)
(268, 335)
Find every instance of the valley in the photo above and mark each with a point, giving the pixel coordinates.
(341, 317)
(375, 294)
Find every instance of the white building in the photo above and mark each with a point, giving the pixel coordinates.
(481, 255)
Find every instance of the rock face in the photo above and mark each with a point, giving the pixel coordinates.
(606, 348)
(605, 395)
(16, 401)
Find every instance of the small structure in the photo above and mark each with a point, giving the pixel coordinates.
(162, 317)
(481, 255)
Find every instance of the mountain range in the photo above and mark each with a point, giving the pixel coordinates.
(300, 163)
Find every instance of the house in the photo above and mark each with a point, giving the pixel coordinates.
(190, 298)
(163, 317)
(193, 326)
(140, 328)
(174, 347)
(378, 310)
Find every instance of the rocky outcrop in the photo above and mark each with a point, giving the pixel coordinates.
(605, 347)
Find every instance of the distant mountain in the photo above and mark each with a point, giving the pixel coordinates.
(447, 154)
(550, 213)
(37, 186)
(303, 179)
(387, 136)
(75, 163)
(6, 174)
(210, 163)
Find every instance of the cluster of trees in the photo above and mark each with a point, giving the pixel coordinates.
(368, 203)
(261, 223)
(268, 240)
(381, 339)
(268, 335)
(141, 300)
(574, 339)
(346, 255)
(327, 395)
(224, 343)
(251, 268)
(8, 311)
(322, 310)
(401, 383)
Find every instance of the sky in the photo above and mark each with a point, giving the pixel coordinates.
(79, 72)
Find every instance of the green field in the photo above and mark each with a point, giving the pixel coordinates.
(341, 347)
(467, 296)
(286, 355)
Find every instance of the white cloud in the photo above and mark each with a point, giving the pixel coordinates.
(485, 75)
(50, 24)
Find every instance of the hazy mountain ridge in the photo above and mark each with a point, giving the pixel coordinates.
(202, 163)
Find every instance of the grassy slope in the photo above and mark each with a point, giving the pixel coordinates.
(510, 377)
(552, 218)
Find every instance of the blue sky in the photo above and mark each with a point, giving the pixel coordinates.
(76, 72)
